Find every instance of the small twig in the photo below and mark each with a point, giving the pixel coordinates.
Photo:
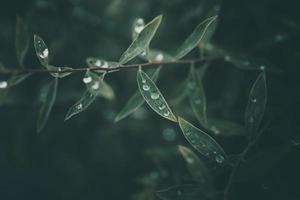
(121, 67)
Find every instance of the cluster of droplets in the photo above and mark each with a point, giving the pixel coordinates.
(159, 57)
(95, 62)
(88, 79)
(3, 84)
(155, 96)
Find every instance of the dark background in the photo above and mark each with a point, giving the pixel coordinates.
(90, 157)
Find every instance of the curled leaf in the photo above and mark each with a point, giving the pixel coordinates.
(193, 40)
(85, 101)
(202, 142)
(135, 101)
(153, 96)
(142, 41)
(48, 99)
(256, 104)
(97, 86)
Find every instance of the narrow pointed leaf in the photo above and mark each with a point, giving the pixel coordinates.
(225, 128)
(85, 101)
(256, 104)
(61, 71)
(97, 86)
(135, 101)
(197, 96)
(49, 96)
(153, 96)
(22, 43)
(181, 192)
(202, 142)
(142, 41)
(197, 169)
(193, 40)
(16, 79)
(41, 50)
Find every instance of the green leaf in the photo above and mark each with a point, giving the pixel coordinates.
(225, 128)
(142, 41)
(96, 62)
(41, 50)
(202, 142)
(181, 192)
(197, 96)
(135, 101)
(85, 101)
(154, 55)
(21, 42)
(193, 40)
(16, 79)
(153, 96)
(48, 99)
(42, 53)
(198, 170)
(256, 104)
(97, 86)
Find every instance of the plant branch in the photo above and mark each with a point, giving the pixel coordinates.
(120, 67)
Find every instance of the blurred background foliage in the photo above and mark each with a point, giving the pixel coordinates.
(90, 157)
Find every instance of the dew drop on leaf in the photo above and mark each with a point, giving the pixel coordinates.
(3, 84)
(154, 96)
(146, 87)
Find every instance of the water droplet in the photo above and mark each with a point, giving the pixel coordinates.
(105, 65)
(166, 114)
(3, 84)
(143, 80)
(154, 96)
(138, 29)
(143, 53)
(169, 134)
(191, 85)
(227, 58)
(262, 67)
(87, 79)
(219, 158)
(44, 54)
(140, 21)
(198, 101)
(179, 193)
(215, 130)
(161, 107)
(254, 100)
(79, 106)
(97, 63)
(146, 87)
(251, 119)
(159, 57)
(189, 160)
(96, 85)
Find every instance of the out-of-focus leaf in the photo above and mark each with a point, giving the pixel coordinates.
(16, 79)
(137, 27)
(181, 192)
(202, 142)
(142, 41)
(21, 42)
(225, 127)
(48, 99)
(260, 164)
(193, 40)
(135, 100)
(197, 96)
(198, 170)
(85, 101)
(97, 86)
(256, 104)
(153, 96)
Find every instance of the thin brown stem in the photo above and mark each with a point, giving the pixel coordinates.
(120, 67)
